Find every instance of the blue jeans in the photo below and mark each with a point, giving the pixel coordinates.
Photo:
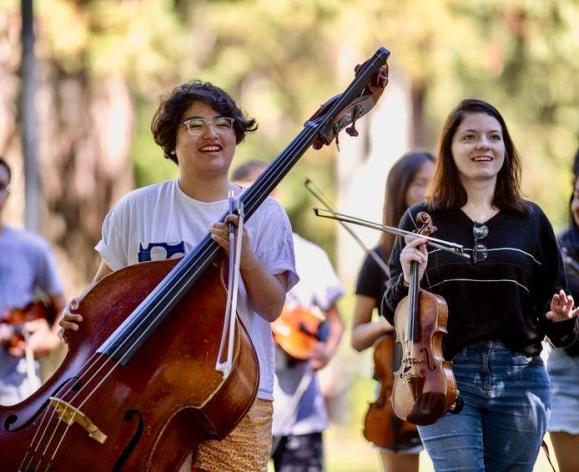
(506, 408)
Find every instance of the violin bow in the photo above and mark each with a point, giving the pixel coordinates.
(449, 246)
(317, 193)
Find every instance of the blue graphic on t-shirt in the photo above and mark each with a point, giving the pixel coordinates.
(160, 251)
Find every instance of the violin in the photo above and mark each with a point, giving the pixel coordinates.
(140, 389)
(381, 426)
(424, 384)
(298, 331)
(16, 317)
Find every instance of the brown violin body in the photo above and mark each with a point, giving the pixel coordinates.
(381, 426)
(424, 385)
(297, 331)
(17, 317)
(146, 415)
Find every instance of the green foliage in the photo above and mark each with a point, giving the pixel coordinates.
(280, 61)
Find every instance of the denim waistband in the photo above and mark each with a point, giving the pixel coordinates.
(530, 350)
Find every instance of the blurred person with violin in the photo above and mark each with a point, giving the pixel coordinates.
(27, 325)
(563, 363)
(199, 126)
(307, 336)
(406, 185)
(502, 301)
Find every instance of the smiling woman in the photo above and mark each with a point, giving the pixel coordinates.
(501, 303)
(478, 148)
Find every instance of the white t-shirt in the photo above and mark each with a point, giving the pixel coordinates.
(162, 222)
(299, 405)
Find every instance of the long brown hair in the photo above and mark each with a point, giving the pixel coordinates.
(399, 179)
(447, 190)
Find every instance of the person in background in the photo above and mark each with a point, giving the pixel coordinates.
(199, 126)
(563, 363)
(27, 271)
(502, 301)
(300, 416)
(407, 183)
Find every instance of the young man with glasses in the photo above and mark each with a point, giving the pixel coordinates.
(26, 268)
(198, 126)
(502, 301)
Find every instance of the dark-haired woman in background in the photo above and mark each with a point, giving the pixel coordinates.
(502, 301)
(563, 364)
(407, 183)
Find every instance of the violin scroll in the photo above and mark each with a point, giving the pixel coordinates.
(427, 227)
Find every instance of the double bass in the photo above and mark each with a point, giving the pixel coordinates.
(140, 389)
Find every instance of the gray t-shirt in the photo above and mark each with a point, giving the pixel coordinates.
(26, 267)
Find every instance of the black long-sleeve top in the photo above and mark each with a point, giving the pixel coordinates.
(504, 298)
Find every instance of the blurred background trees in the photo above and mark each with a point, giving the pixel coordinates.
(102, 65)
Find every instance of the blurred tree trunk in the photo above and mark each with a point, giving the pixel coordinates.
(85, 146)
(85, 126)
(421, 137)
(28, 119)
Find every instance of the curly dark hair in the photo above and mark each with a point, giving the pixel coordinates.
(447, 191)
(167, 118)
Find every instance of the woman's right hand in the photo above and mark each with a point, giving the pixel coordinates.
(70, 318)
(415, 250)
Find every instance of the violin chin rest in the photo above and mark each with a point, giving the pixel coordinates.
(428, 407)
(457, 406)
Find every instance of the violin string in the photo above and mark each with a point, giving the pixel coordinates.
(284, 165)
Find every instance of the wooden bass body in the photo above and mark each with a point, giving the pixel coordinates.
(149, 413)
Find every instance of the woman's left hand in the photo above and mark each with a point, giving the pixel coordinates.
(562, 307)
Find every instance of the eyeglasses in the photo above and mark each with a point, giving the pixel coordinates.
(198, 125)
(479, 250)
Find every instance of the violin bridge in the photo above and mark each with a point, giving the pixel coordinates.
(69, 415)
